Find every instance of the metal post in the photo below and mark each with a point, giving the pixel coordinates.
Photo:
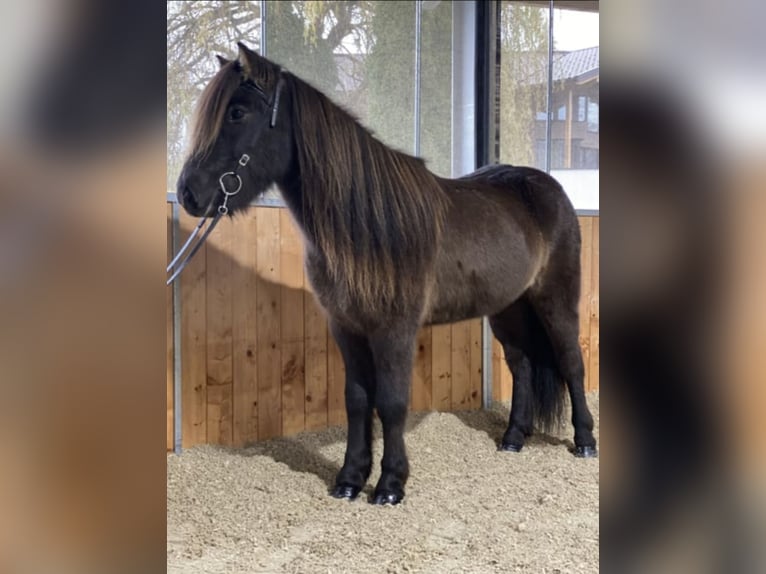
(463, 82)
(549, 103)
(177, 406)
(416, 119)
(486, 30)
(263, 28)
(486, 37)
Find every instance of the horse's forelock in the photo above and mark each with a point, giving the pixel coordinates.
(211, 109)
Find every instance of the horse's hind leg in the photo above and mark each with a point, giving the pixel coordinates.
(360, 398)
(393, 354)
(558, 313)
(509, 327)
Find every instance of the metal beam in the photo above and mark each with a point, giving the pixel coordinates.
(486, 82)
(177, 406)
(263, 29)
(416, 112)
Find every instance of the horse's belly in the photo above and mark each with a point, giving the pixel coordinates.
(466, 301)
(468, 287)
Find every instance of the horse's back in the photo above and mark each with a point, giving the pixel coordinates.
(501, 227)
(536, 192)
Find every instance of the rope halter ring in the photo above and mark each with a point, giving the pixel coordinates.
(223, 208)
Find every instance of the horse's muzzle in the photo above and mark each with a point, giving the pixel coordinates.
(188, 201)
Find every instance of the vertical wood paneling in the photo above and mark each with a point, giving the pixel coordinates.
(586, 261)
(461, 365)
(293, 369)
(245, 320)
(336, 383)
(316, 363)
(268, 325)
(257, 359)
(593, 363)
(193, 344)
(421, 392)
(507, 383)
(170, 356)
(441, 367)
(502, 377)
(474, 386)
(219, 339)
(497, 371)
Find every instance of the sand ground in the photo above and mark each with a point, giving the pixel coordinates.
(469, 508)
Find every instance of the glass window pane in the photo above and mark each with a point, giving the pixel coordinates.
(576, 85)
(360, 54)
(323, 43)
(196, 32)
(436, 54)
(390, 73)
(523, 83)
(592, 116)
(332, 46)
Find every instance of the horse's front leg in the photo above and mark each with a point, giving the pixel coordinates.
(392, 352)
(360, 397)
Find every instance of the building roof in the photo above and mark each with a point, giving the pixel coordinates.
(576, 65)
(529, 67)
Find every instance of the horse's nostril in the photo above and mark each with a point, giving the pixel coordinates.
(188, 198)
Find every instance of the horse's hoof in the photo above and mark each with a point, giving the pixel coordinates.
(585, 452)
(508, 447)
(387, 498)
(345, 491)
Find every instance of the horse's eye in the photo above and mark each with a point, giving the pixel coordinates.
(236, 114)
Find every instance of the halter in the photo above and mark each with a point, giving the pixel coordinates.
(223, 209)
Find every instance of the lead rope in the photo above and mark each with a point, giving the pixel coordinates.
(223, 209)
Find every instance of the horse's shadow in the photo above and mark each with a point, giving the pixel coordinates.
(494, 422)
(294, 453)
(301, 452)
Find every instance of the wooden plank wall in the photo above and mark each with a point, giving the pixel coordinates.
(257, 360)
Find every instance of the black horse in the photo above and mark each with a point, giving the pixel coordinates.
(391, 247)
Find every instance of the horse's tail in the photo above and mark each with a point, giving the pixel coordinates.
(548, 386)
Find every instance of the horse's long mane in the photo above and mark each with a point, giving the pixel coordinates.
(375, 214)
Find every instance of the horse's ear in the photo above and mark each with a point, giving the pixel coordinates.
(253, 66)
(222, 61)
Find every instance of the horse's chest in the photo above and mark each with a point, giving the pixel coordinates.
(320, 281)
(347, 305)
(334, 296)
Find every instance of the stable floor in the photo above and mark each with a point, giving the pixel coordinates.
(469, 508)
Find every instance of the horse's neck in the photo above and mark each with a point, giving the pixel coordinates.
(292, 193)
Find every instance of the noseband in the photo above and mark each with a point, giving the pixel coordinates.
(223, 209)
